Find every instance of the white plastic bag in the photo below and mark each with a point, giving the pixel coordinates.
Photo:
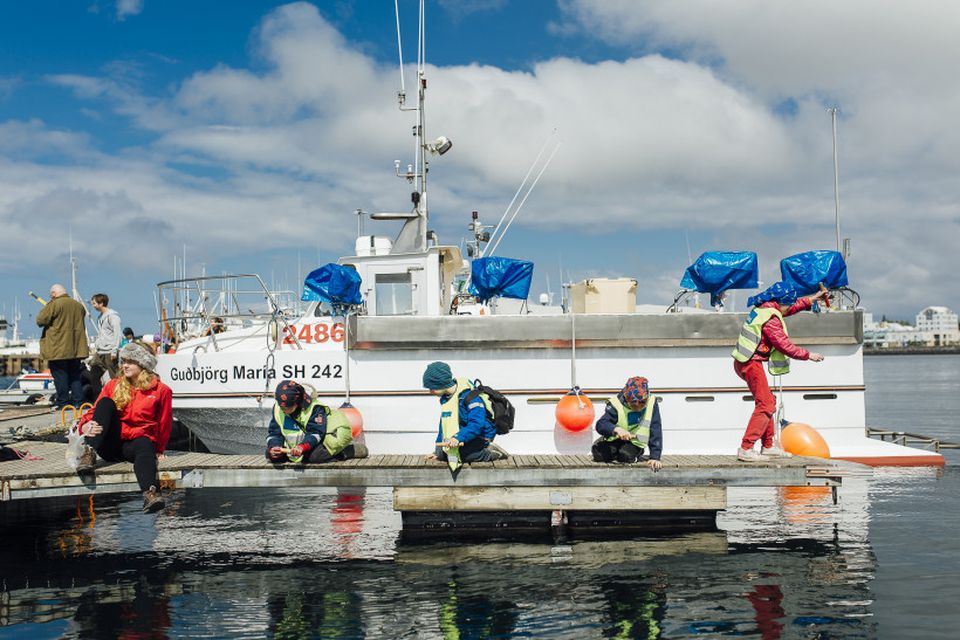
(74, 447)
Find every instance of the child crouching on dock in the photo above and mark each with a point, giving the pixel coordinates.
(303, 430)
(131, 421)
(630, 424)
(466, 429)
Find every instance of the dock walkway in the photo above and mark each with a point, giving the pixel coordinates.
(50, 476)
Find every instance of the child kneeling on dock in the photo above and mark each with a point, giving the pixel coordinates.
(630, 423)
(303, 430)
(467, 428)
(131, 421)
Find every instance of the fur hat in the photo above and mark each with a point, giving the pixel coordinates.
(139, 354)
(438, 376)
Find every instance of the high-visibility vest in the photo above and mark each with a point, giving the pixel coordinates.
(641, 429)
(450, 419)
(749, 340)
(294, 432)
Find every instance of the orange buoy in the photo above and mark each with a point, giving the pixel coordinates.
(803, 440)
(353, 415)
(574, 412)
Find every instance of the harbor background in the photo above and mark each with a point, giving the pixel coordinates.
(884, 562)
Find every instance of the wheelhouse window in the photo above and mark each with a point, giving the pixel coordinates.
(394, 293)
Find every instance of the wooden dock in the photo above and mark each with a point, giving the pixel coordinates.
(21, 479)
(518, 492)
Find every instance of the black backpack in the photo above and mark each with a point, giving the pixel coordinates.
(503, 411)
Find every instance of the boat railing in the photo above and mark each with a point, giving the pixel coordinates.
(208, 306)
(907, 439)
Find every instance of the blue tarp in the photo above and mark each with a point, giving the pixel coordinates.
(716, 271)
(805, 271)
(333, 283)
(504, 277)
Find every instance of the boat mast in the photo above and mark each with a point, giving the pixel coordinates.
(413, 235)
(836, 175)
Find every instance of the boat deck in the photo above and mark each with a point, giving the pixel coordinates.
(50, 476)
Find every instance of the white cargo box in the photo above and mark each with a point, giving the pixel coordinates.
(373, 246)
(604, 295)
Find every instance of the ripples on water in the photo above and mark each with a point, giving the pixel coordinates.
(786, 563)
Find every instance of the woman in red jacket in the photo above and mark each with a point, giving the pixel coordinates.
(131, 421)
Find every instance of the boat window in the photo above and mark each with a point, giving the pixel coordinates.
(394, 292)
(819, 396)
(700, 398)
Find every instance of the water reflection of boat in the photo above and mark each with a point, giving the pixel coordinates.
(223, 564)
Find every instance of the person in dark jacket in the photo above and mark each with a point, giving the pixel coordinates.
(763, 337)
(629, 425)
(466, 429)
(304, 430)
(63, 344)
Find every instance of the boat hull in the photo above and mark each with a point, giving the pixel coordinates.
(225, 396)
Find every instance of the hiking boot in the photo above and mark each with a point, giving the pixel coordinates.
(88, 460)
(496, 453)
(750, 455)
(775, 452)
(152, 500)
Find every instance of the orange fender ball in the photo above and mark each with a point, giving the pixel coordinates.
(353, 415)
(803, 440)
(571, 416)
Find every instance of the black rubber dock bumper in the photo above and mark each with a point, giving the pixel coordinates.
(425, 526)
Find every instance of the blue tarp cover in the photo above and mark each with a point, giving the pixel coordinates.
(504, 277)
(805, 271)
(333, 283)
(716, 271)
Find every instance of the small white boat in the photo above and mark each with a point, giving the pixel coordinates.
(28, 388)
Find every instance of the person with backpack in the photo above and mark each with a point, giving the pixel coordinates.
(304, 430)
(629, 425)
(467, 419)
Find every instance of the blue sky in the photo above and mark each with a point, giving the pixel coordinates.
(249, 131)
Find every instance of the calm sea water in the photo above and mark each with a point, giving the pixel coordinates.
(883, 562)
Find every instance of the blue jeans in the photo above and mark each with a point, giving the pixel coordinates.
(472, 451)
(66, 378)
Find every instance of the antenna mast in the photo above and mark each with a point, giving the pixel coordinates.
(836, 174)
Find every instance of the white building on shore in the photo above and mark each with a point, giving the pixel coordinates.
(939, 326)
(936, 327)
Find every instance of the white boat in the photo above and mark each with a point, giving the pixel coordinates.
(223, 382)
(28, 388)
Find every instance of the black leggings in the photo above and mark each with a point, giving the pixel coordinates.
(615, 451)
(140, 451)
(321, 455)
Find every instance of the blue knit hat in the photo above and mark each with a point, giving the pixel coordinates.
(778, 292)
(437, 376)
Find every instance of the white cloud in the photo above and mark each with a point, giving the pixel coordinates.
(310, 130)
(127, 8)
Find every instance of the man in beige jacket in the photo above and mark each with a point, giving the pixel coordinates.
(64, 344)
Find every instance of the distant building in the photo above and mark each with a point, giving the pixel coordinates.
(887, 335)
(938, 325)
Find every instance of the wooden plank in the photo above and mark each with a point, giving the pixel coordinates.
(554, 462)
(567, 498)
